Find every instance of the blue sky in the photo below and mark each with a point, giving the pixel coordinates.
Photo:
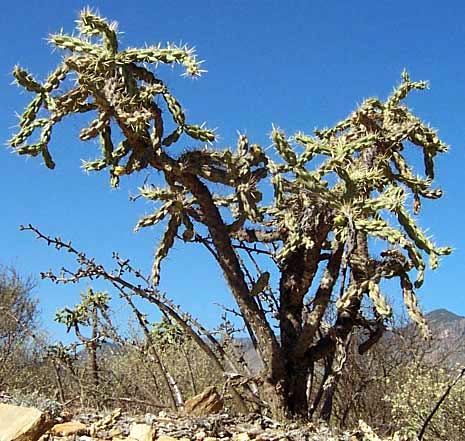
(298, 64)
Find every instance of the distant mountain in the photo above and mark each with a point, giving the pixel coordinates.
(448, 334)
(447, 327)
(446, 324)
(443, 316)
(245, 346)
(448, 339)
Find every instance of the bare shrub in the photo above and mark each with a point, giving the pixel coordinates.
(18, 312)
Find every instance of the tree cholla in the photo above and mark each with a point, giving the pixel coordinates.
(333, 191)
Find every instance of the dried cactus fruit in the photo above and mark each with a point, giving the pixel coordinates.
(165, 245)
(379, 302)
(261, 283)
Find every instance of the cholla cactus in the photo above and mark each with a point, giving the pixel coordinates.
(167, 334)
(86, 314)
(61, 352)
(333, 192)
(113, 83)
(82, 313)
(364, 152)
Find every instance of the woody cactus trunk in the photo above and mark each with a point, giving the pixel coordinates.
(330, 193)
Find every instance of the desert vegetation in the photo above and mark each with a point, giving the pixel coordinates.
(305, 236)
(393, 388)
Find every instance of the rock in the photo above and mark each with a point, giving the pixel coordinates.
(115, 432)
(209, 401)
(200, 436)
(69, 428)
(241, 437)
(106, 422)
(22, 423)
(142, 432)
(167, 438)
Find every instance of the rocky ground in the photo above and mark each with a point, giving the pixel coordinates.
(203, 422)
(117, 426)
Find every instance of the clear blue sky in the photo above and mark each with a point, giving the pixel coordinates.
(298, 64)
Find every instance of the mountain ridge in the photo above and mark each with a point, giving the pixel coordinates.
(443, 315)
